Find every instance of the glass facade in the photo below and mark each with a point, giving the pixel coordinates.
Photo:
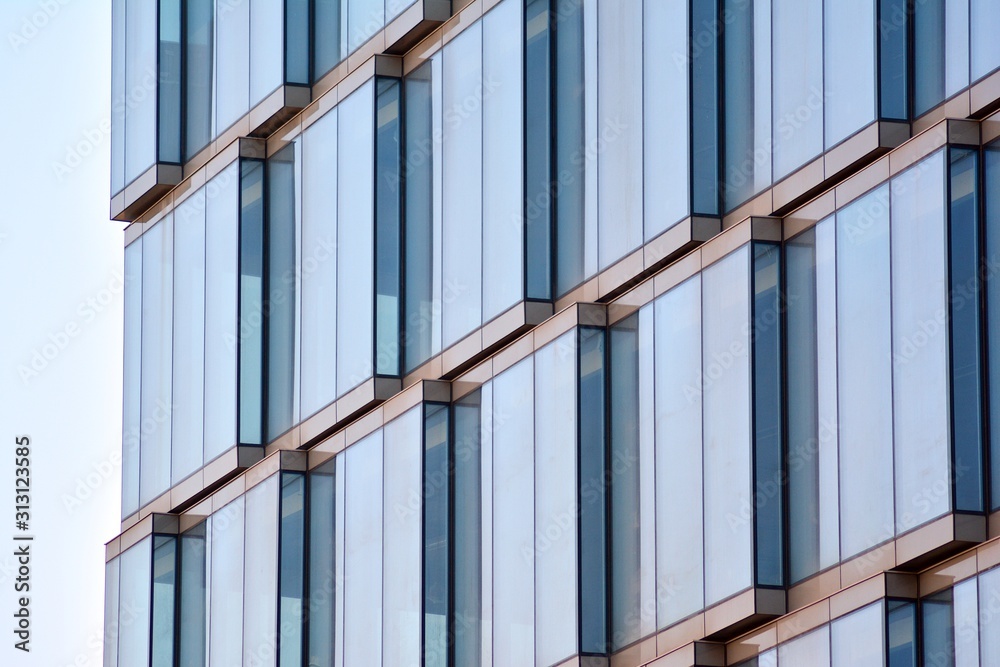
(702, 438)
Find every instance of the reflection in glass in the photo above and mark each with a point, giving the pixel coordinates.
(291, 582)
(387, 220)
(164, 590)
(192, 599)
(251, 306)
(436, 546)
(468, 534)
(280, 291)
(322, 578)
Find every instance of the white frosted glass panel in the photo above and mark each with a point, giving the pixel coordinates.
(798, 83)
(864, 352)
(134, 606)
(665, 108)
(364, 19)
(679, 531)
(157, 282)
(811, 650)
(768, 658)
(355, 224)
(131, 407)
(222, 236)
(189, 337)
(620, 116)
(850, 68)
(111, 570)
(226, 585)
(463, 188)
(319, 264)
(966, 619)
(725, 389)
(858, 638)
(267, 42)
(989, 620)
(118, 97)
(555, 498)
(513, 509)
(921, 389)
(985, 23)
(232, 64)
(140, 87)
(956, 41)
(260, 583)
(826, 393)
(363, 553)
(402, 540)
(502, 160)
(650, 586)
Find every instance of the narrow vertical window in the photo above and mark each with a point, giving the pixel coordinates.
(297, 42)
(592, 498)
(250, 332)
(937, 623)
(964, 318)
(928, 55)
(387, 226)
(436, 547)
(893, 34)
(197, 63)
(901, 625)
(169, 97)
(328, 50)
(164, 590)
(704, 111)
(991, 166)
(291, 584)
(322, 582)
(280, 292)
(767, 415)
(538, 146)
(191, 598)
(466, 624)
(131, 402)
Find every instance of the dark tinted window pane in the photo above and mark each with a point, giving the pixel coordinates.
(327, 50)
(435, 490)
(738, 184)
(538, 169)
(938, 626)
(419, 308)
(164, 582)
(251, 306)
(991, 158)
(569, 144)
(893, 39)
(197, 75)
(170, 81)
(966, 398)
(191, 642)
(280, 291)
(704, 112)
(593, 539)
(928, 55)
(902, 629)
(387, 221)
(468, 531)
(291, 582)
(767, 414)
(297, 41)
(322, 582)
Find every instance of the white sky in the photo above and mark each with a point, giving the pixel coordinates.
(58, 250)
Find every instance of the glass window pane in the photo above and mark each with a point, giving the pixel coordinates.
(111, 628)
(251, 303)
(725, 390)
(363, 553)
(169, 82)
(260, 577)
(928, 55)
(328, 19)
(140, 87)
(991, 187)
(984, 21)
(937, 626)
(920, 383)
(437, 545)
(894, 59)
(665, 103)
(198, 42)
(164, 589)
(502, 160)
(704, 120)
(297, 41)
(619, 115)
(462, 192)
(849, 79)
(513, 524)
(556, 531)
(188, 337)
(292, 576)
(131, 407)
(232, 64)
(740, 112)
(902, 630)
(318, 337)
(679, 525)
(798, 83)
(858, 639)
(364, 19)
(388, 220)
(538, 104)
(956, 41)
(157, 280)
(593, 491)
(322, 574)
(226, 577)
(989, 594)
(966, 605)
(811, 650)
(266, 48)
(222, 229)
(118, 96)
(419, 228)
(864, 352)
(355, 224)
(401, 539)
(192, 618)
(468, 533)
(281, 270)
(134, 607)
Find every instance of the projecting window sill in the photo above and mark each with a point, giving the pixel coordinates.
(695, 654)
(145, 191)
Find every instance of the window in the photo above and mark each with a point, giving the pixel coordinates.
(192, 596)
(163, 596)
(132, 409)
(322, 579)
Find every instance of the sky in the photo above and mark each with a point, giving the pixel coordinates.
(61, 334)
